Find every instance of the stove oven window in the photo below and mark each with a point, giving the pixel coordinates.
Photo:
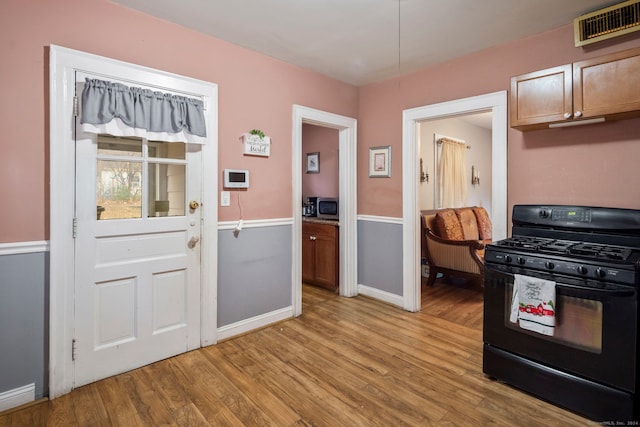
(578, 322)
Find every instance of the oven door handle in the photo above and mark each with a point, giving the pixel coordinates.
(618, 292)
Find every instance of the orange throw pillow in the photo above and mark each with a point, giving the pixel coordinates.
(468, 222)
(448, 225)
(484, 223)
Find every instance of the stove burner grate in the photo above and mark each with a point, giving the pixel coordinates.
(525, 242)
(568, 248)
(600, 251)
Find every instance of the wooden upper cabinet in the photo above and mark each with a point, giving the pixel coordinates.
(607, 86)
(541, 97)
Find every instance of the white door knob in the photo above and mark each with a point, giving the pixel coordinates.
(193, 241)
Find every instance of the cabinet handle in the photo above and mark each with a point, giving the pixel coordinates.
(578, 113)
(567, 115)
(312, 237)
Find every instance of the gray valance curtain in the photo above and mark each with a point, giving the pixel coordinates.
(116, 109)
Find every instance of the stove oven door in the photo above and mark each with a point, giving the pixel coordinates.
(595, 334)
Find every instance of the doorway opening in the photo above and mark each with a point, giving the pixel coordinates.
(320, 186)
(496, 103)
(347, 128)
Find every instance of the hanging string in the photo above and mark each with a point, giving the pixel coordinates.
(399, 35)
(399, 48)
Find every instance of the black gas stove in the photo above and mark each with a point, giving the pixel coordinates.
(602, 261)
(591, 256)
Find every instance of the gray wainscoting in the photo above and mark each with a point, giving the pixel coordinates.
(254, 272)
(380, 256)
(24, 322)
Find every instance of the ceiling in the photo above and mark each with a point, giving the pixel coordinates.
(365, 41)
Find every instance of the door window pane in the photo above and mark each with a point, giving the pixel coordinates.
(121, 186)
(118, 189)
(166, 190)
(167, 150)
(119, 146)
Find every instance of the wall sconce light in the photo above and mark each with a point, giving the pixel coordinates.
(475, 176)
(424, 176)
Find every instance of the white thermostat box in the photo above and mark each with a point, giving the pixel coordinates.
(236, 178)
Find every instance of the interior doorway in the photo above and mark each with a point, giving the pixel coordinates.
(496, 103)
(347, 146)
(475, 131)
(320, 181)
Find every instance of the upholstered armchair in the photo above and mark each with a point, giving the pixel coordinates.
(453, 242)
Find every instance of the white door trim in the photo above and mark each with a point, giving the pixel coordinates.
(63, 63)
(497, 103)
(347, 146)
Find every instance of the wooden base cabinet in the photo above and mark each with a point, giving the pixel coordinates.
(320, 249)
(603, 87)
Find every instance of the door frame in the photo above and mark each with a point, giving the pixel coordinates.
(347, 162)
(496, 102)
(63, 63)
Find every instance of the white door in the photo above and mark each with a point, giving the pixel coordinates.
(137, 253)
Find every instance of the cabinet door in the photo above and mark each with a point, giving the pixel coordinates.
(308, 257)
(541, 97)
(607, 85)
(326, 260)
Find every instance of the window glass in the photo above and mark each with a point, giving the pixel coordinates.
(121, 185)
(167, 150)
(118, 189)
(166, 190)
(119, 146)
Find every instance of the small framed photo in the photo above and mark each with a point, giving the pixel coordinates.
(380, 162)
(313, 162)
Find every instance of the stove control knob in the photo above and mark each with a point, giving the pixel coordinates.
(521, 260)
(600, 272)
(582, 270)
(549, 265)
(507, 258)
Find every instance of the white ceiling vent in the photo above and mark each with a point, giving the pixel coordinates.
(606, 23)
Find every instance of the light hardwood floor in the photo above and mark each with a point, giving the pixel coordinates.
(344, 362)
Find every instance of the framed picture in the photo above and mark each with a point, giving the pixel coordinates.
(380, 162)
(313, 162)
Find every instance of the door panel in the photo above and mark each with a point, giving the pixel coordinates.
(137, 277)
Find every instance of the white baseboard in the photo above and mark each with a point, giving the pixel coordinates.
(17, 396)
(254, 323)
(383, 296)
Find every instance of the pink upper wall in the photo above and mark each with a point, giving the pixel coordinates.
(325, 141)
(592, 165)
(255, 91)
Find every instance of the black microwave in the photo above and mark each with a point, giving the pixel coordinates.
(327, 208)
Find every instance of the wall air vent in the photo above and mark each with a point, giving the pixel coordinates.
(622, 18)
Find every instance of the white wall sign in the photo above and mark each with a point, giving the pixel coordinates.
(255, 145)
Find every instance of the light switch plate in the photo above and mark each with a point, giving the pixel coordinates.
(225, 198)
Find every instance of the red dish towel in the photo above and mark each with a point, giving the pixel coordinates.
(533, 304)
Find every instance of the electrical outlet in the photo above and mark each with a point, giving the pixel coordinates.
(225, 198)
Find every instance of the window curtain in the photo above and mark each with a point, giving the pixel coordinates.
(119, 110)
(452, 175)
